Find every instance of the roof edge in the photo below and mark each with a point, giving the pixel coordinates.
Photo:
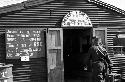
(109, 6)
(22, 5)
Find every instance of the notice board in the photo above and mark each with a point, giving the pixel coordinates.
(25, 42)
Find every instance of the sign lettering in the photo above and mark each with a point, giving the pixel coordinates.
(25, 42)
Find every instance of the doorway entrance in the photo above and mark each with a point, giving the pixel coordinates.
(76, 43)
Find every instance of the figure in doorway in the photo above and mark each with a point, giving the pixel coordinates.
(97, 56)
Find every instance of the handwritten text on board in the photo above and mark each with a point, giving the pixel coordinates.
(24, 42)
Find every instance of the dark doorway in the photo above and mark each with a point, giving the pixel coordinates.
(76, 44)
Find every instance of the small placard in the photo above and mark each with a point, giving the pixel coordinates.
(25, 58)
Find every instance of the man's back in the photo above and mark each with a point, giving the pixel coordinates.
(95, 54)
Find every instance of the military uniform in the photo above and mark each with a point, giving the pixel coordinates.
(97, 62)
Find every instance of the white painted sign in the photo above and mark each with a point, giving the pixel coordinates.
(76, 18)
(25, 58)
(121, 36)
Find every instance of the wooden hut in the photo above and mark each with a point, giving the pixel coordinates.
(43, 39)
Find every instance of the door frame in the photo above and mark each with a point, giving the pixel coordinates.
(48, 47)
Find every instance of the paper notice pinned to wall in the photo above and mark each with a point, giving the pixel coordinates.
(25, 58)
(52, 60)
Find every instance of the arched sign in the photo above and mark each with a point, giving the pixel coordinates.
(76, 18)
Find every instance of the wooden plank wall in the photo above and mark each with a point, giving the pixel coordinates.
(2, 46)
(118, 62)
(22, 5)
(34, 70)
(51, 15)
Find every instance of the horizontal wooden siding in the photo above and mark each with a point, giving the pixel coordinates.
(51, 14)
(118, 62)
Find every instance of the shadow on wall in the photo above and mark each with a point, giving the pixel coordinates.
(2, 48)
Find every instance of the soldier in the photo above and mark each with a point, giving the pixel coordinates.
(97, 58)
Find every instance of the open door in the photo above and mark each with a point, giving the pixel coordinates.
(76, 43)
(55, 55)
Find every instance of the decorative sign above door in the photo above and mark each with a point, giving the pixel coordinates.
(76, 18)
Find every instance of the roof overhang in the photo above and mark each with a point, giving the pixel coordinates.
(109, 6)
(22, 5)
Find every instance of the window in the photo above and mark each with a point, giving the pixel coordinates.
(119, 44)
(101, 33)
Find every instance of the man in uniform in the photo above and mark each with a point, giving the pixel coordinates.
(97, 58)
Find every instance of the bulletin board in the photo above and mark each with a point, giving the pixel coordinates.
(25, 42)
